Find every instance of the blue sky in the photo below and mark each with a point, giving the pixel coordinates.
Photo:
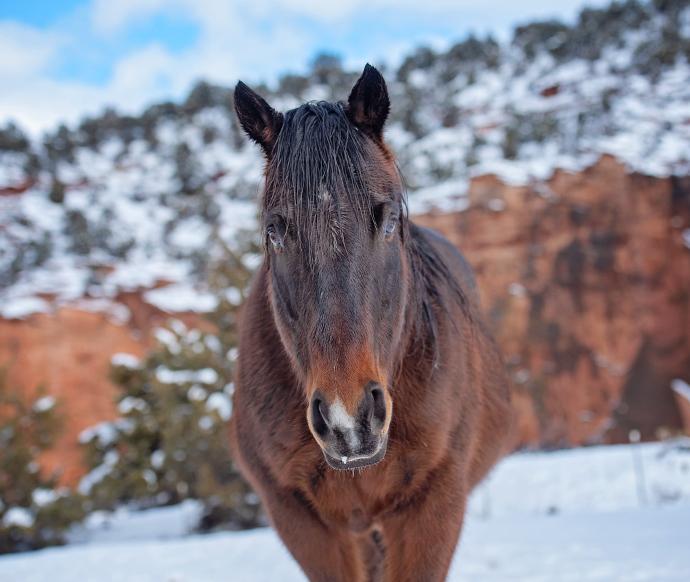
(61, 59)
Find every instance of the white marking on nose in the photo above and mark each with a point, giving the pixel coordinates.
(341, 420)
(339, 416)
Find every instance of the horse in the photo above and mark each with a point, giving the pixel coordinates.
(370, 398)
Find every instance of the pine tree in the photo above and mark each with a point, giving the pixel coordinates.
(187, 170)
(34, 512)
(170, 442)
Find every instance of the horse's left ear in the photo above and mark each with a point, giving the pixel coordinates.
(261, 122)
(368, 104)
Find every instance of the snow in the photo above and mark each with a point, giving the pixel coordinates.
(125, 360)
(496, 205)
(221, 403)
(205, 423)
(640, 545)
(567, 516)
(105, 433)
(197, 393)
(203, 376)
(42, 497)
(681, 387)
(168, 339)
(447, 196)
(191, 234)
(596, 478)
(21, 307)
(686, 237)
(180, 298)
(126, 525)
(157, 459)
(130, 403)
(18, 517)
(233, 295)
(97, 474)
(44, 404)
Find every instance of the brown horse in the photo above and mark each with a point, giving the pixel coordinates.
(370, 398)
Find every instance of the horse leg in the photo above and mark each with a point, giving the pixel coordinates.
(421, 534)
(325, 554)
(373, 554)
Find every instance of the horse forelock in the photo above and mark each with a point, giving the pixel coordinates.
(322, 177)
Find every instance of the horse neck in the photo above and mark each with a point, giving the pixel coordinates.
(418, 352)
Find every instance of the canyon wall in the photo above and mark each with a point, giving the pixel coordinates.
(586, 281)
(66, 354)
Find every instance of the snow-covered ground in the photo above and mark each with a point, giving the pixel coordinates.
(580, 515)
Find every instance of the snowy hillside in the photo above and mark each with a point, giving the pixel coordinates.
(567, 516)
(119, 202)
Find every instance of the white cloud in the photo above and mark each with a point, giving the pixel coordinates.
(24, 50)
(227, 46)
(144, 70)
(109, 17)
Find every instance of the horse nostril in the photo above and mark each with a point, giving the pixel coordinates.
(319, 412)
(378, 409)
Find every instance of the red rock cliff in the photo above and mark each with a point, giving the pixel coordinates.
(586, 281)
(67, 353)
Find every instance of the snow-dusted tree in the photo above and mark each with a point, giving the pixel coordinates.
(171, 441)
(34, 512)
(13, 139)
(187, 169)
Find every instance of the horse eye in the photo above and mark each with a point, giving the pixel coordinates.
(385, 219)
(389, 227)
(275, 237)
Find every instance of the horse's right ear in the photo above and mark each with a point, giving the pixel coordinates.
(259, 120)
(368, 104)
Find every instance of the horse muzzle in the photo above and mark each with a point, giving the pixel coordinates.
(351, 440)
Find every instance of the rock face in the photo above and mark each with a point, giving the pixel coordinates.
(586, 282)
(67, 353)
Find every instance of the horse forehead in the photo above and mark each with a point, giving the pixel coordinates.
(335, 232)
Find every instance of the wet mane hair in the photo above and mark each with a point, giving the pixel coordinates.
(318, 176)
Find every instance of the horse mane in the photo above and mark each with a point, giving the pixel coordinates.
(430, 274)
(320, 177)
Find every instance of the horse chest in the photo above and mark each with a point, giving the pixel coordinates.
(357, 499)
(347, 500)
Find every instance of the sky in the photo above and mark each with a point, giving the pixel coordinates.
(62, 59)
